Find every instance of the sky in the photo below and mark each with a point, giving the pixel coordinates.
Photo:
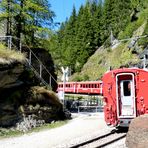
(63, 8)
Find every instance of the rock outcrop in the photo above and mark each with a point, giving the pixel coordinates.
(21, 95)
(137, 136)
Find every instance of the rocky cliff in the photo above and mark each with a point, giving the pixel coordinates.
(20, 96)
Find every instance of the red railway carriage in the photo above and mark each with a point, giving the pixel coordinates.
(125, 93)
(70, 87)
(88, 87)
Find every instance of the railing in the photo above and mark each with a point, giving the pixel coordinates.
(33, 61)
(89, 108)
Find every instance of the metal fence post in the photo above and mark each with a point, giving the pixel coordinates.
(50, 81)
(40, 70)
(10, 43)
(20, 46)
(29, 57)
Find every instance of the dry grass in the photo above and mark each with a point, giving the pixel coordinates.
(8, 56)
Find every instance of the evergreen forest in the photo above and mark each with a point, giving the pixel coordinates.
(80, 36)
(86, 30)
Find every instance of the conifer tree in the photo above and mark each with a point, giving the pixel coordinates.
(97, 23)
(27, 16)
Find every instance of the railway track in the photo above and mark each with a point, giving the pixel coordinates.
(101, 141)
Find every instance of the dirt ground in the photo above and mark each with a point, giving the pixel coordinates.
(81, 124)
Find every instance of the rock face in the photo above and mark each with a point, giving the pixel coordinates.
(9, 74)
(137, 136)
(21, 97)
(43, 104)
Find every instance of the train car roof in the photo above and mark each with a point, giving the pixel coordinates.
(121, 70)
(82, 82)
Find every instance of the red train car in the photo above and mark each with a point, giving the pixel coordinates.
(87, 87)
(70, 87)
(125, 93)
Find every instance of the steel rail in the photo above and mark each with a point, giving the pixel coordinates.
(93, 140)
(111, 141)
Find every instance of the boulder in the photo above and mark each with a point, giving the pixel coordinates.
(43, 104)
(137, 136)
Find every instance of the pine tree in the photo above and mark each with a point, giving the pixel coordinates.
(85, 35)
(116, 14)
(28, 17)
(97, 23)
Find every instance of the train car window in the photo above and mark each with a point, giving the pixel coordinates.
(127, 88)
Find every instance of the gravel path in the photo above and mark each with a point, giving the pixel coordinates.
(82, 124)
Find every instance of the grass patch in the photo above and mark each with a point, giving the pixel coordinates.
(8, 55)
(49, 126)
(7, 133)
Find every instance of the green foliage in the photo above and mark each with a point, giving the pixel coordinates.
(78, 78)
(141, 24)
(85, 77)
(80, 36)
(28, 18)
(144, 41)
(5, 133)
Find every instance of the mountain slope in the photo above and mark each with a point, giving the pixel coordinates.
(105, 58)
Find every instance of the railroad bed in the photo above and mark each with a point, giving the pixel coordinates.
(104, 138)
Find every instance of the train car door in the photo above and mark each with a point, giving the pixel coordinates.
(126, 91)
